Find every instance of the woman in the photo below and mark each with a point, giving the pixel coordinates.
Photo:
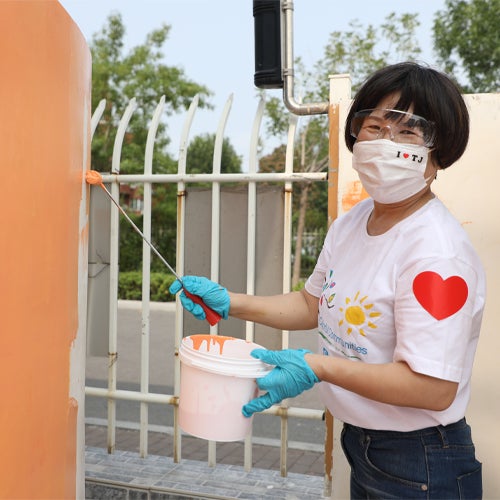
(397, 296)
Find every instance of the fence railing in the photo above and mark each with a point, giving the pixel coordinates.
(251, 178)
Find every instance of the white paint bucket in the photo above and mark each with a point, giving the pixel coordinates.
(217, 379)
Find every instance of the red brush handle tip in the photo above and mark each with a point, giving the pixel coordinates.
(212, 317)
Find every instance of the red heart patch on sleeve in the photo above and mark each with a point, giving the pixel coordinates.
(440, 298)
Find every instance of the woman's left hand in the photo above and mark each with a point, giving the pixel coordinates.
(290, 377)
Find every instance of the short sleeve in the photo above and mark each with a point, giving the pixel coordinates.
(434, 309)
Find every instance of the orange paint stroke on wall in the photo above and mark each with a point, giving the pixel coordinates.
(44, 96)
(353, 194)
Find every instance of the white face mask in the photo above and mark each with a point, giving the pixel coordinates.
(390, 172)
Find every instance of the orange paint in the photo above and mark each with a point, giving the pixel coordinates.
(45, 101)
(333, 162)
(210, 339)
(354, 193)
(93, 177)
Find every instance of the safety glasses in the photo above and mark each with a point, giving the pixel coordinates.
(398, 126)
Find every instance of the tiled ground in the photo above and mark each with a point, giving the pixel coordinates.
(125, 476)
(264, 457)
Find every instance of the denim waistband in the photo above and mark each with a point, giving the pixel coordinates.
(440, 431)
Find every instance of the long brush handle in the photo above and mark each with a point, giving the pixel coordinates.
(213, 317)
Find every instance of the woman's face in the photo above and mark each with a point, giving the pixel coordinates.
(378, 126)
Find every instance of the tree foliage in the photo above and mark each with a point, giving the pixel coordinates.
(200, 156)
(141, 72)
(117, 76)
(467, 42)
(363, 49)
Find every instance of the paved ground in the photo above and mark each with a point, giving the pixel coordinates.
(124, 475)
(161, 444)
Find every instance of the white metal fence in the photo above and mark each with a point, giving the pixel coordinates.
(181, 179)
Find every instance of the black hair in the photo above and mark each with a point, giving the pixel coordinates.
(431, 94)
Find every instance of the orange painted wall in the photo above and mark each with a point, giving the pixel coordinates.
(44, 96)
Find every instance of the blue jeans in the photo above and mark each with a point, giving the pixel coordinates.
(432, 463)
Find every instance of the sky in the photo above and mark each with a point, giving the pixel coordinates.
(213, 42)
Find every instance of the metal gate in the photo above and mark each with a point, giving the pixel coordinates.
(181, 179)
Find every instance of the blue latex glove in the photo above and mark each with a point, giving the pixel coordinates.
(291, 376)
(212, 294)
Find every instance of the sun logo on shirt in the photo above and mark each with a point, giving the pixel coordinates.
(358, 315)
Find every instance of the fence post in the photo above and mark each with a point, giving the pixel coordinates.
(340, 95)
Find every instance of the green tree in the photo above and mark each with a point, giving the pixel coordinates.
(140, 72)
(117, 76)
(358, 51)
(363, 49)
(467, 43)
(200, 156)
(274, 161)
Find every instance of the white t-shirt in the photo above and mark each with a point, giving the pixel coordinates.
(415, 294)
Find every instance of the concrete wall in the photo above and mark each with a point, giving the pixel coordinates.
(45, 102)
(470, 189)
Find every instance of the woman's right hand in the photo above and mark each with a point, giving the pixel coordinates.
(212, 294)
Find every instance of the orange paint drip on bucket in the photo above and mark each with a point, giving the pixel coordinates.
(211, 340)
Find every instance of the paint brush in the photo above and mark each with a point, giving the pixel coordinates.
(95, 178)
